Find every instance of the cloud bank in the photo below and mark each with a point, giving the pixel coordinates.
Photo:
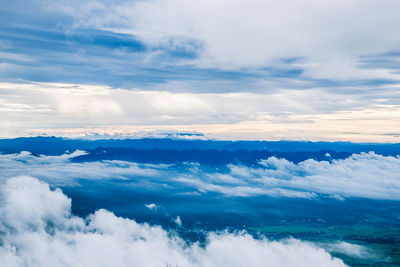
(365, 175)
(75, 110)
(38, 229)
(59, 170)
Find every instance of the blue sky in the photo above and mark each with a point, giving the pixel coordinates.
(230, 69)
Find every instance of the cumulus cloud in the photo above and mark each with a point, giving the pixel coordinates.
(38, 229)
(365, 175)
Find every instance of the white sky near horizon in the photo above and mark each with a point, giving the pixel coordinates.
(80, 110)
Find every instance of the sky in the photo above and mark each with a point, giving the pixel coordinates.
(296, 70)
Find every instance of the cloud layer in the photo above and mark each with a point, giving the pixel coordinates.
(365, 175)
(75, 110)
(305, 41)
(38, 229)
(329, 38)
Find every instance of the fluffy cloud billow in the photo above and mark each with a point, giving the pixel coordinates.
(365, 175)
(38, 229)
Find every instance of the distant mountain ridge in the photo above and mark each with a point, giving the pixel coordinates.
(58, 145)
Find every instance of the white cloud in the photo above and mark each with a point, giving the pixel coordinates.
(59, 170)
(178, 221)
(361, 175)
(246, 190)
(38, 229)
(352, 250)
(30, 203)
(365, 175)
(151, 206)
(329, 37)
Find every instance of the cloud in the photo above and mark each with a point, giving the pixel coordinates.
(361, 175)
(327, 39)
(38, 229)
(58, 170)
(365, 175)
(181, 46)
(352, 250)
(151, 206)
(28, 203)
(246, 190)
(76, 110)
(178, 221)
